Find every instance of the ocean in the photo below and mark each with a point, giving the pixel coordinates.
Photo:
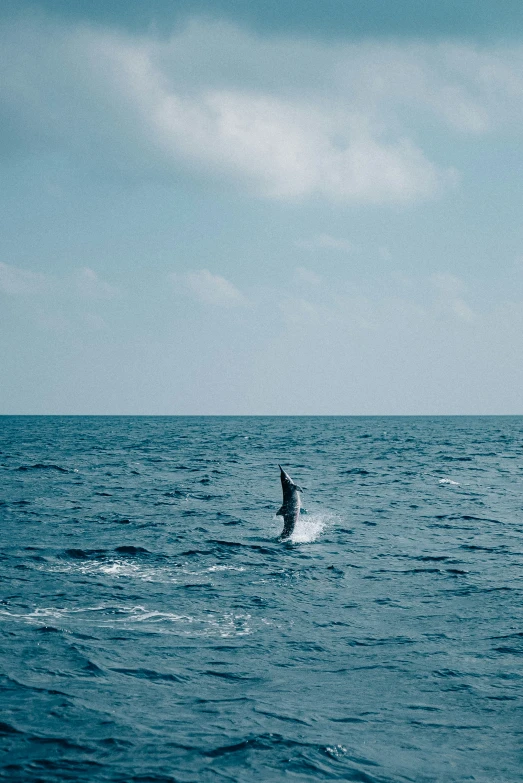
(154, 629)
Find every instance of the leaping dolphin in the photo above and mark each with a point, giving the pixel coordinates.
(290, 509)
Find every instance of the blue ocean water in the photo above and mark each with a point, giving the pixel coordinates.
(154, 629)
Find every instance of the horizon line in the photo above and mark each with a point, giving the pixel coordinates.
(262, 415)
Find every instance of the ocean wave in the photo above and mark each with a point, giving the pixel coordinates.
(223, 625)
(43, 466)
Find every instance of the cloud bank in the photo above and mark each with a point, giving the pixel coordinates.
(280, 118)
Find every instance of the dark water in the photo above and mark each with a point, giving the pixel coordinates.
(154, 629)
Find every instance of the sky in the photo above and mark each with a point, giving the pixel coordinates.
(279, 208)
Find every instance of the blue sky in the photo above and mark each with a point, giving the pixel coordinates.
(245, 208)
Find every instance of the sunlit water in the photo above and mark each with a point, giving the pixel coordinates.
(153, 628)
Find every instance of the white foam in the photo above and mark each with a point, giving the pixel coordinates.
(109, 616)
(337, 751)
(223, 625)
(449, 481)
(127, 568)
(114, 568)
(44, 613)
(310, 526)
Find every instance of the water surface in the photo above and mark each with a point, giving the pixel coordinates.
(154, 629)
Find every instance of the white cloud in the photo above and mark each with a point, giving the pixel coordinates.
(307, 276)
(450, 289)
(84, 281)
(298, 311)
(326, 242)
(16, 281)
(287, 149)
(284, 118)
(89, 284)
(448, 284)
(213, 289)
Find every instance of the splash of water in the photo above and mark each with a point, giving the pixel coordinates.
(309, 527)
